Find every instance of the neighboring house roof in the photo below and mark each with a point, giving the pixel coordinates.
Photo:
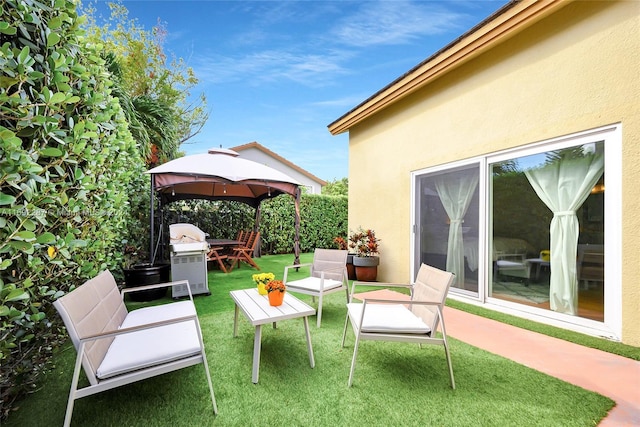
(279, 158)
(509, 20)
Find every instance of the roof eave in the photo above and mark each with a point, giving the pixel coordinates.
(281, 159)
(503, 24)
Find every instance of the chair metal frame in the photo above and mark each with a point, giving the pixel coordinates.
(356, 313)
(321, 274)
(85, 344)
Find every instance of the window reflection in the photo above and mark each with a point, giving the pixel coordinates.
(543, 254)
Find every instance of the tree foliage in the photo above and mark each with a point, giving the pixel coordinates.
(66, 162)
(337, 187)
(159, 87)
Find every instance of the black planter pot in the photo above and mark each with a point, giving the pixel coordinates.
(147, 274)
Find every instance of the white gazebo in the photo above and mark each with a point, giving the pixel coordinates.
(220, 174)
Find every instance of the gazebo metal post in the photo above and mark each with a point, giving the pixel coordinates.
(152, 224)
(256, 226)
(296, 244)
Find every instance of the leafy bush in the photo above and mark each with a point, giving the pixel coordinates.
(67, 164)
(321, 219)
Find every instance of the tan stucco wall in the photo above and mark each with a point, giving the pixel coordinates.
(575, 70)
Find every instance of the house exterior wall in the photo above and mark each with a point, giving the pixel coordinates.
(574, 70)
(257, 155)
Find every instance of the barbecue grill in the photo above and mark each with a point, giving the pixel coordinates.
(189, 250)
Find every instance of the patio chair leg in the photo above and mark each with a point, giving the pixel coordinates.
(319, 310)
(206, 369)
(74, 387)
(446, 351)
(344, 333)
(353, 361)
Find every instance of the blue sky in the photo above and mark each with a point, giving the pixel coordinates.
(278, 72)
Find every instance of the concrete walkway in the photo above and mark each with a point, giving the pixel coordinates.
(605, 373)
(608, 374)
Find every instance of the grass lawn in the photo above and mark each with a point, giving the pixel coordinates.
(394, 384)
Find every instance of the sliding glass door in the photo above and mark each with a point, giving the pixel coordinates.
(547, 230)
(447, 212)
(526, 227)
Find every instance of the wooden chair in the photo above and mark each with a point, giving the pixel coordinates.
(328, 274)
(245, 253)
(415, 320)
(243, 237)
(116, 347)
(216, 254)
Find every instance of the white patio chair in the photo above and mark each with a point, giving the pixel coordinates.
(116, 347)
(415, 320)
(328, 274)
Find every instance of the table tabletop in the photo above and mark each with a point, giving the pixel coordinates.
(257, 310)
(223, 242)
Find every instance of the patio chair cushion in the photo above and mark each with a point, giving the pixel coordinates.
(392, 318)
(313, 284)
(154, 346)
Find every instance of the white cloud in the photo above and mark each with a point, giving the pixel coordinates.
(344, 102)
(310, 69)
(395, 22)
(323, 56)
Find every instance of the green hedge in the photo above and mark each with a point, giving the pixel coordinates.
(321, 219)
(67, 165)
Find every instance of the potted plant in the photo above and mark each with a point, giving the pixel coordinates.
(137, 273)
(261, 279)
(343, 245)
(275, 289)
(365, 245)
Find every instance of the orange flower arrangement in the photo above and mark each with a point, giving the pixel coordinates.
(275, 285)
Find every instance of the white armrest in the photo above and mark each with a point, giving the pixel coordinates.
(378, 285)
(158, 285)
(297, 265)
(137, 328)
(287, 267)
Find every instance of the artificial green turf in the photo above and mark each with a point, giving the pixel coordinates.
(394, 384)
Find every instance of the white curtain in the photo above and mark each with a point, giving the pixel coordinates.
(455, 192)
(563, 186)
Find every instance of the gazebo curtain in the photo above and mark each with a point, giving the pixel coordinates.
(564, 185)
(455, 192)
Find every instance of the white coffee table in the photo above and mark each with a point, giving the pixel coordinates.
(257, 310)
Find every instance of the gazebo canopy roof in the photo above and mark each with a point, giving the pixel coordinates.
(219, 175)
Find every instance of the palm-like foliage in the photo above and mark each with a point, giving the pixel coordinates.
(158, 128)
(151, 121)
